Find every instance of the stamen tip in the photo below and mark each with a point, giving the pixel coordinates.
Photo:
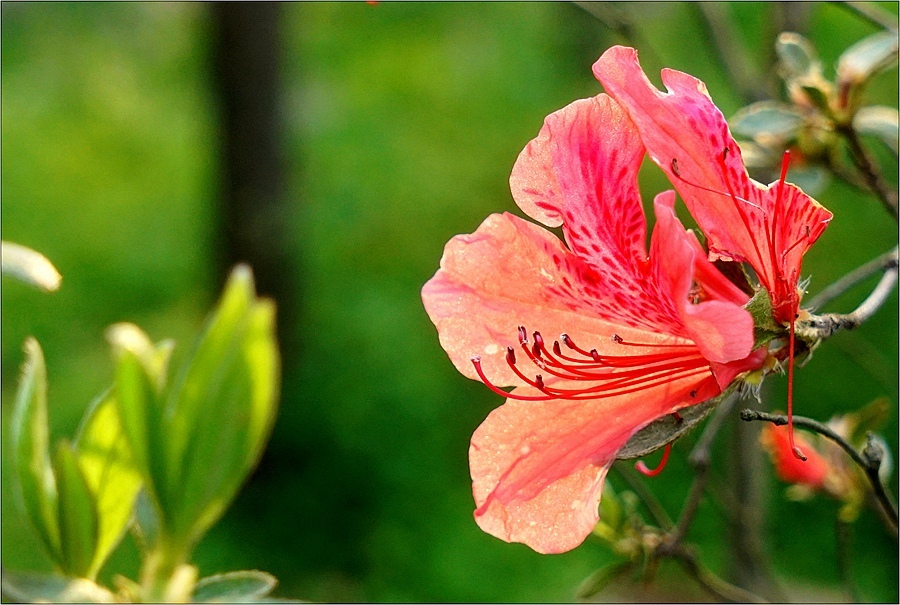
(799, 454)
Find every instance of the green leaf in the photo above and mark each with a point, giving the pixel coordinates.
(234, 587)
(146, 526)
(667, 429)
(797, 57)
(155, 358)
(31, 447)
(881, 122)
(765, 328)
(817, 93)
(602, 578)
(769, 123)
(222, 409)
(867, 57)
(30, 587)
(140, 417)
(29, 266)
(105, 460)
(77, 513)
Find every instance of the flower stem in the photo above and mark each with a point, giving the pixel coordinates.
(869, 460)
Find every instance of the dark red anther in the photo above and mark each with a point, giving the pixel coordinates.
(617, 338)
(539, 381)
(644, 470)
(595, 355)
(511, 356)
(523, 335)
(556, 348)
(677, 417)
(567, 341)
(538, 344)
(693, 393)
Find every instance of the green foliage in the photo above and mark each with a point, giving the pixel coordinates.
(30, 587)
(195, 441)
(29, 266)
(881, 122)
(77, 513)
(765, 328)
(867, 58)
(234, 587)
(190, 445)
(108, 469)
(30, 443)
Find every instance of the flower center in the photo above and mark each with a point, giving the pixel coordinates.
(602, 375)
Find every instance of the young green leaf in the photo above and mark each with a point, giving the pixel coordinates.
(234, 587)
(140, 417)
(29, 266)
(111, 476)
(867, 57)
(30, 443)
(31, 587)
(881, 122)
(223, 406)
(797, 58)
(769, 123)
(77, 513)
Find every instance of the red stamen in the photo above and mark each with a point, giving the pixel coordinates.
(605, 376)
(702, 188)
(644, 470)
(619, 340)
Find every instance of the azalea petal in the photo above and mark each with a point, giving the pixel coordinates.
(581, 172)
(812, 472)
(538, 467)
(687, 136)
(722, 330)
(512, 273)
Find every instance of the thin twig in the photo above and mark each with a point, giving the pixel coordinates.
(821, 327)
(869, 460)
(699, 459)
(869, 170)
(710, 581)
(873, 14)
(656, 509)
(887, 260)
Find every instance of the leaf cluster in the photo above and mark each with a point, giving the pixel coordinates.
(165, 457)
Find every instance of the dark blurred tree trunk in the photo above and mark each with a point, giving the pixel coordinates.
(247, 55)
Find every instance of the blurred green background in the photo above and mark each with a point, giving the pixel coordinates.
(401, 124)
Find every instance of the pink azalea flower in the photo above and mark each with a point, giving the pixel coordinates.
(598, 336)
(770, 227)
